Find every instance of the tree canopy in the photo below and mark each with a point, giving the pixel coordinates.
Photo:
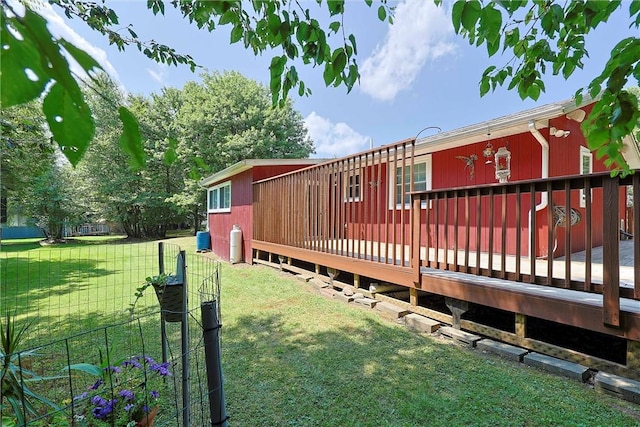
(538, 35)
(186, 133)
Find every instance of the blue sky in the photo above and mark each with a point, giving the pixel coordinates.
(415, 73)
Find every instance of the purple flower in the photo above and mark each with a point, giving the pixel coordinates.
(132, 362)
(129, 407)
(145, 409)
(98, 400)
(80, 396)
(102, 412)
(155, 394)
(127, 394)
(161, 368)
(113, 369)
(96, 385)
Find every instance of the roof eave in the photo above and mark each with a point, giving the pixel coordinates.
(244, 165)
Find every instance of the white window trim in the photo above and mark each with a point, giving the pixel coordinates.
(347, 187)
(218, 188)
(427, 159)
(585, 152)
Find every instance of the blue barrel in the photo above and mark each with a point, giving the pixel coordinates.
(203, 241)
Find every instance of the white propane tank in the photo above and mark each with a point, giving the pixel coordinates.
(235, 250)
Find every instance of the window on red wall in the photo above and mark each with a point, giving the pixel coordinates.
(219, 198)
(421, 176)
(352, 189)
(586, 168)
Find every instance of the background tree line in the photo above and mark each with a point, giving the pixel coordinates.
(186, 133)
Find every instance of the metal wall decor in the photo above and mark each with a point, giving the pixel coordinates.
(469, 162)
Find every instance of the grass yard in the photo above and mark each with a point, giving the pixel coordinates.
(294, 358)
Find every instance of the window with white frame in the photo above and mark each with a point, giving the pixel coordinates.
(352, 188)
(401, 183)
(586, 168)
(220, 197)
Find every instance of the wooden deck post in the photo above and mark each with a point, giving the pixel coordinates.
(610, 253)
(356, 281)
(458, 308)
(521, 325)
(415, 240)
(317, 268)
(413, 296)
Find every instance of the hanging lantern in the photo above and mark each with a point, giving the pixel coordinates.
(503, 164)
(488, 153)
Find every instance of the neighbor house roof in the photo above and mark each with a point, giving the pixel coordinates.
(244, 165)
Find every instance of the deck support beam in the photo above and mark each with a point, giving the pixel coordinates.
(458, 308)
(332, 273)
(356, 281)
(317, 268)
(413, 296)
(521, 325)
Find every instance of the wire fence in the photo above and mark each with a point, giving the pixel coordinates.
(79, 308)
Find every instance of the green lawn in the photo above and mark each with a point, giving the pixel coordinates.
(294, 358)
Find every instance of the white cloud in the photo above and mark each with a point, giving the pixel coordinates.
(334, 139)
(159, 73)
(59, 28)
(420, 33)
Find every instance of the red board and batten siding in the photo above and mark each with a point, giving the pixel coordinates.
(564, 159)
(221, 223)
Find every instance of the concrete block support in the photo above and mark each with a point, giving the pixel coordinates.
(557, 366)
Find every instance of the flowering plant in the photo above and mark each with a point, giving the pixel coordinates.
(124, 394)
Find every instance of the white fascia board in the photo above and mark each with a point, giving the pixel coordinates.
(243, 165)
(501, 127)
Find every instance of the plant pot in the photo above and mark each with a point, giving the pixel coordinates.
(170, 297)
(147, 421)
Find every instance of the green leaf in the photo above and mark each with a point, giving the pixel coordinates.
(352, 39)
(236, 33)
(470, 14)
(491, 24)
(56, 65)
(227, 17)
(70, 123)
(456, 15)
(85, 367)
(339, 60)
(85, 60)
(274, 24)
(382, 13)
(277, 66)
(328, 74)
(18, 56)
(484, 85)
(334, 26)
(131, 140)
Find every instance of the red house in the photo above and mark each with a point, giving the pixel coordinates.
(367, 189)
(230, 199)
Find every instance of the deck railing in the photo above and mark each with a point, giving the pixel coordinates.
(342, 209)
(548, 232)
